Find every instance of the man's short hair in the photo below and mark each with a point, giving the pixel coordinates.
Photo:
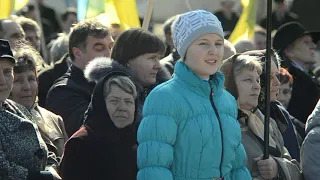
(80, 32)
(28, 24)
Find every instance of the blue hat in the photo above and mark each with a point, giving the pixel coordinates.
(191, 25)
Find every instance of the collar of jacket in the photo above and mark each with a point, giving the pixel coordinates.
(185, 75)
(76, 70)
(77, 75)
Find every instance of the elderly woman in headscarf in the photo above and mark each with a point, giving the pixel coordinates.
(23, 153)
(243, 82)
(105, 146)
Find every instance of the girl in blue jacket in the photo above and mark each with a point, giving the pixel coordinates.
(189, 129)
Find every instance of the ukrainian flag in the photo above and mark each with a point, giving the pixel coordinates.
(9, 6)
(123, 12)
(246, 23)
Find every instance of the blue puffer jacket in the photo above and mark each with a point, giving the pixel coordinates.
(180, 136)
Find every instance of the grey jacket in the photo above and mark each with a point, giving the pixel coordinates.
(310, 150)
(287, 167)
(22, 150)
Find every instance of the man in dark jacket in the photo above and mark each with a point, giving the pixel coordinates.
(48, 76)
(70, 96)
(280, 16)
(227, 16)
(298, 50)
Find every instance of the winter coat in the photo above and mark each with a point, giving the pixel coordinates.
(305, 93)
(292, 139)
(48, 76)
(50, 125)
(190, 131)
(288, 169)
(99, 150)
(23, 153)
(310, 155)
(69, 97)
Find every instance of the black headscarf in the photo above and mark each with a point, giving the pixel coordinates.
(97, 118)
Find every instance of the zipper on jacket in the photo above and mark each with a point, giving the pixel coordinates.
(220, 125)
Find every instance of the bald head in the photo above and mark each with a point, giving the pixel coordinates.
(244, 45)
(11, 30)
(229, 49)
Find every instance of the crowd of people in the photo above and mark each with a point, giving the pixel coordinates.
(130, 105)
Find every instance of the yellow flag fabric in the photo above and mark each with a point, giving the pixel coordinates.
(8, 6)
(5, 8)
(123, 12)
(246, 23)
(110, 15)
(127, 13)
(19, 4)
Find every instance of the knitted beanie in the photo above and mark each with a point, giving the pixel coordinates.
(191, 25)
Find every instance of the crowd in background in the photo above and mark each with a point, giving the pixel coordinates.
(87, 100)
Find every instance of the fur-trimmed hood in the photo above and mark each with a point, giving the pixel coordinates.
(100, 66)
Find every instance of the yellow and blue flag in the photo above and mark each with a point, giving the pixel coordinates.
(246, 23)
(123, 12)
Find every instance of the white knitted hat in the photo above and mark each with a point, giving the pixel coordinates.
(191, 25)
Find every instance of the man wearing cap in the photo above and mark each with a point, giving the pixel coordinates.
(7, 62)
(23, 154)
(297, 48)
(6, 53)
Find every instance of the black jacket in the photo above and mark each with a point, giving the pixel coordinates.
(276, 23)
(48, 76)
(69, 97)
(99, 150)
(227, 24)
(305, 93)
(288, 128)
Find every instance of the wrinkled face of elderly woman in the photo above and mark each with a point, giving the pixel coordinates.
(120, 106)
(6, 78)
(248, 85)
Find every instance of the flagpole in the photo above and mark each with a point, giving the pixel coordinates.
(267, 80)
(42, 38)
(147, 15)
